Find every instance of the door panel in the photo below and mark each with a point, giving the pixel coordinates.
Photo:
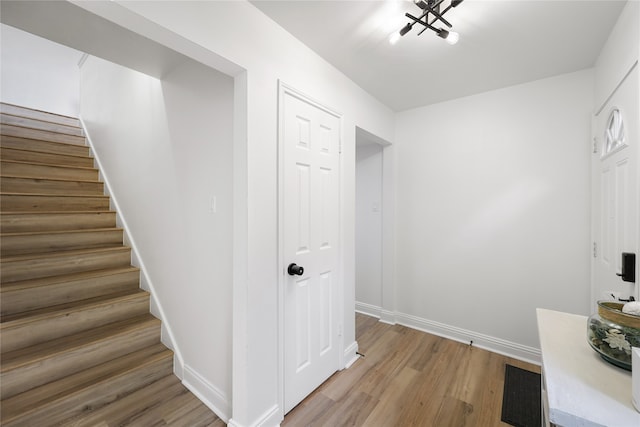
(310, 200)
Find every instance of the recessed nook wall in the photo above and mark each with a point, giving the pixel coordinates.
(166, 148)
(368, 226)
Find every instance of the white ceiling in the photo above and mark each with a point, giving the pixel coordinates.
(502, 43)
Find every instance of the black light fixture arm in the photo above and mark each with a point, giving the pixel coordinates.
(430, 7)
(435, 19)
(440, 17)
(419, 21)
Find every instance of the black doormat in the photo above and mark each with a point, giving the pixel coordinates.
(521, 398)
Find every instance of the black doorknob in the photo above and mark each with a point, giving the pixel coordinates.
(295, 270)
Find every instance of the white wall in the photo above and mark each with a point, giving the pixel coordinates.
(618, 54)
(23, 57)
(369, 225)
(267, 53)
(165, 147)
(493, 210)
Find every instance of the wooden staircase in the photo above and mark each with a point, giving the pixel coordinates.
(78, 344)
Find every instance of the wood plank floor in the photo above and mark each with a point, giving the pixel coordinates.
(409, 378)
(166, 402)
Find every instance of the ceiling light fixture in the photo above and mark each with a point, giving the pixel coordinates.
(432, 12)
(393, 39)
(450, 37)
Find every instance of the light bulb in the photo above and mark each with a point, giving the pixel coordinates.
(393, 39)
(453, 37)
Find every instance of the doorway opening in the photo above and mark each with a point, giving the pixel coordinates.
(374, 226)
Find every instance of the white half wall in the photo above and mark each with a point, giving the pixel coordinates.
(369, 224)
(23, 57)
(493, 207)
(166, 150)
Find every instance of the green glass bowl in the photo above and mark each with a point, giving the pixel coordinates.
(612, 333)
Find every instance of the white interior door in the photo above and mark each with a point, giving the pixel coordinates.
(615, 189)
(310, 138)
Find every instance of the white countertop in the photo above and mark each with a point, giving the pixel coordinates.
(582, 389)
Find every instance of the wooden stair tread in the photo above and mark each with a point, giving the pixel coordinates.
(59, 240)
(48, 164)
(35, 151)
(34, 294)
(19, 221)
(40, 134)
(55, 212)
(52, 201)
(40, 158)
(30, 185)
(52, 280)
(21, 330)
(129, 409)
(52, 147)
(34, 113)
(97, 196)
(65, 309)
(97, 377)
(39, 242)
(2, 175)
(40, 352)
(39, 124)
(54, 232)
(38, 201)
(32, 242)
(23, 257)
(18, 267)
(18, 168)
(45, 171)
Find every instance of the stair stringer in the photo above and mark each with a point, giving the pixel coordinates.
(167, 336)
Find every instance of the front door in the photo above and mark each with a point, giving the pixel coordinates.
(615, 189)
(310, 143)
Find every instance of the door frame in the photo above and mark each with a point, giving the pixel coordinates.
(283, 90)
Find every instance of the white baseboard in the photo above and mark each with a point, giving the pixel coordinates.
(368, 309)
(178, 367)
(269, 419)
(486, 342)
(388, 317)
(351, 354)
(210, 395)
(385, 316)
